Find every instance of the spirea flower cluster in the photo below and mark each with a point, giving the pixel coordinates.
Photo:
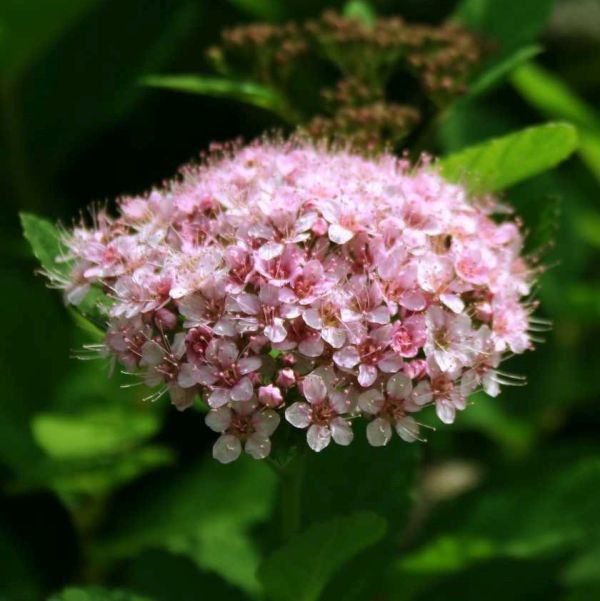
(299, 284)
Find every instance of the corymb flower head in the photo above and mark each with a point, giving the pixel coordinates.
(285, 283)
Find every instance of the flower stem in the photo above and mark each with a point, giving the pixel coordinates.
(291, 495)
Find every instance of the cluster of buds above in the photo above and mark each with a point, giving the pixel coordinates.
(305, 284)
(391, 75)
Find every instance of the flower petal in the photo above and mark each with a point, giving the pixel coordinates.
(218, 420)
(347, 357)
(371, 401)
(379, 432)
(318, 437)
(367, 374)
(341, 432)
(243, 390)
(219, 397)
(258, 447)
(339, 234)
(407, 429)
(314, 389)
(227, 448)
(399, 386)
(445, 411)
(299, 414)
(266, 422)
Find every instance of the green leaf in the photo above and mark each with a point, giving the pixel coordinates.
(360, 10)
(168, 577)
(552, 96)
(554, 99)
(511, 23)
(585, 568)
(512, 519)
(97, 432)
(505, 161)
(97, 476)
(301, 569)
(206, 515)
(494, 75)
(96, 594)
(243, 91)
(447, 554)
(44, 239)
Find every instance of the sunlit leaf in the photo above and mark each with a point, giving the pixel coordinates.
(94, 476)
(505, 161)
(585, 567)
(92, 433)
(96, 594)
(243, 91)
(496, 73)
(554, 99)
(44, 239)
(301, 569)
(360, 10)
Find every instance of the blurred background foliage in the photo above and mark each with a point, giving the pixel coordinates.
(119, 499)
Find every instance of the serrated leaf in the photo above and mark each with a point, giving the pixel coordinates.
(94, 593)
(44, 239)
(301, 569)
(205, 515)
(502, 162)
(244, 91)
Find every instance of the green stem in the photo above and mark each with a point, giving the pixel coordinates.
(291, 495)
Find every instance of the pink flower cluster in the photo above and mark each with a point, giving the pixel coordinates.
(286, 280)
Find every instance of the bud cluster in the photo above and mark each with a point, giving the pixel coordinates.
(432, 63)
(307, 283)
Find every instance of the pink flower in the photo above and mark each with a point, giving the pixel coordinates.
(370, 356)
(323, 412)
(448, 338)
(282, 259)
(444, 391)
(224, 372)
(408, 336)
(389, 410)
(242, 425)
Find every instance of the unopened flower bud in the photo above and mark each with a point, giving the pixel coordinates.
(286, 377)
(270, 396)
